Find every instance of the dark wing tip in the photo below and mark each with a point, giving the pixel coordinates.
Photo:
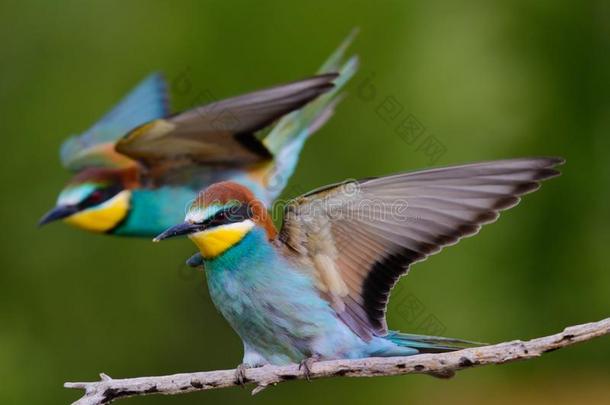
(323, 80)
(505, 203)
(544, 161)
(551, 163)
(556, 160)
(322, 88)
(545, 173)
(329, 76)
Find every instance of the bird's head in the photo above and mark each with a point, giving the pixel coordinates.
(221, 216)
(96, 199)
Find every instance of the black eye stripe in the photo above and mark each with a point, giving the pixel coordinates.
(228, 216)
(99, 196)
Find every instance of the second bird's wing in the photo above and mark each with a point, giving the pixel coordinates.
(222, 132)
(359, 237)
(95, 147)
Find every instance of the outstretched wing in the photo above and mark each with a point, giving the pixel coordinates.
(146, 102)
(221, 132)
(361, 236)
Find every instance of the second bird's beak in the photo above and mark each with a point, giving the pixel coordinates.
(178, 230)
(59, 212)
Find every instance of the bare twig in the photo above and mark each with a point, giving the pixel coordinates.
(438, 365)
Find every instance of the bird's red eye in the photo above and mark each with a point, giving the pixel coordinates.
(96, 196)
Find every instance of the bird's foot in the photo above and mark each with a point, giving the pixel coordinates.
(240, 374)
(306, 365)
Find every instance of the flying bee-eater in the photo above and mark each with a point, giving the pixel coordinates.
(318, 288)
(139, 167)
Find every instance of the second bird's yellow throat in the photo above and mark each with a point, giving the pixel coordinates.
(215, 241)
(104, 217)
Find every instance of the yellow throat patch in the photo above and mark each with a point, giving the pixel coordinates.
(103, 217)
(215, 241)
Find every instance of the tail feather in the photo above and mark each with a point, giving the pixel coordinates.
(334, 61)
(430, 344)
(286, 139)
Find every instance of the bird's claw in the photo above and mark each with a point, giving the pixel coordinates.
(240, 374)
(306, 365)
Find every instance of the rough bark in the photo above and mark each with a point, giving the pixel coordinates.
(442, 365)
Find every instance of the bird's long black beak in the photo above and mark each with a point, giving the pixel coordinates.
(60, 212)
(178, 230)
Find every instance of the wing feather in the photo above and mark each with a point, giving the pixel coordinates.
(369, 232)
(222, 132)
(95, 147)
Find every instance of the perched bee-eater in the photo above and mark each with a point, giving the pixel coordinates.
(318, 288)
(139, 167)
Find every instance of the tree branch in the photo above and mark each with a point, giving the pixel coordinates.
(439, 365)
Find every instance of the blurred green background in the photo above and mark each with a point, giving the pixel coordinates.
(488, 80)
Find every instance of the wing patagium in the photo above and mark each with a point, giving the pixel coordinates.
(362, 236)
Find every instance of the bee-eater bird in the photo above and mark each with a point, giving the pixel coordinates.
(139, 167)
(318, 288)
